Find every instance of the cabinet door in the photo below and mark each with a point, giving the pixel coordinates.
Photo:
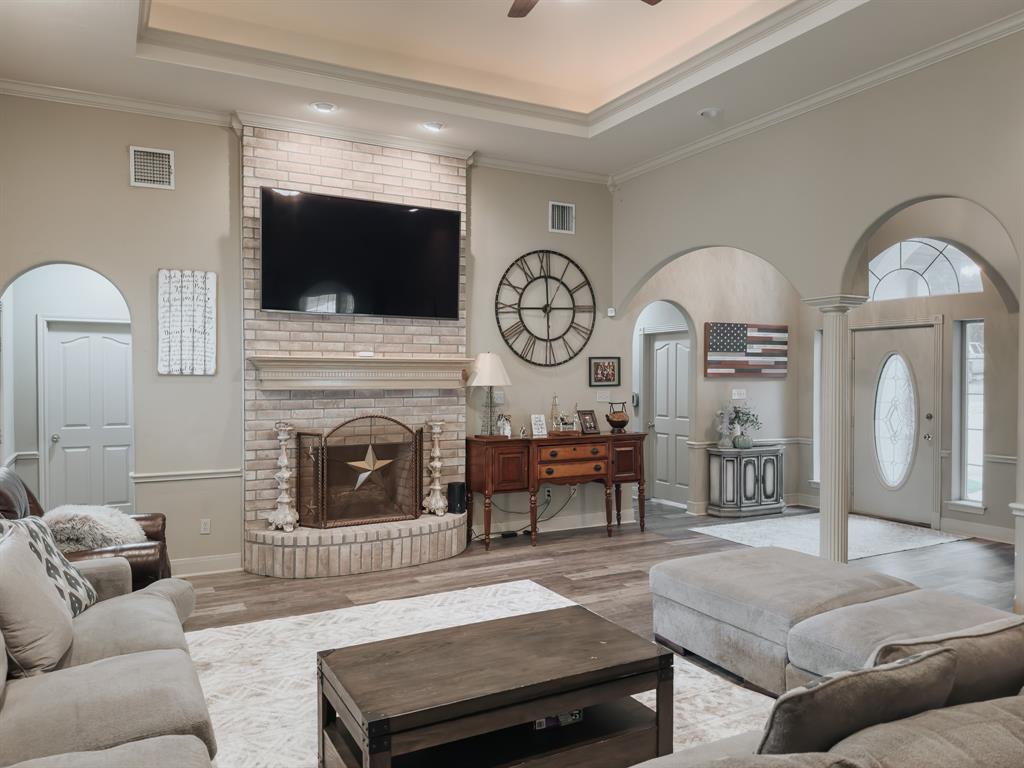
(750, 494)
(730, 480)
(627, 461)
(770, 476)
(510, 465)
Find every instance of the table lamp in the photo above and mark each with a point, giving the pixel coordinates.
(489, 372)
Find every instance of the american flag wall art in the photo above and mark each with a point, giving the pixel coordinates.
(746, 350)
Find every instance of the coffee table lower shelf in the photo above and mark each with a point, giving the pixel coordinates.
(616, 734)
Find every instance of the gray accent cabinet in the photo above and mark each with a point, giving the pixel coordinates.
(745, 481)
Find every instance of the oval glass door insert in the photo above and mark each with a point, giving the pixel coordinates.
(895, 421)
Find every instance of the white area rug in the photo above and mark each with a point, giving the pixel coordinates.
(868, 536)
(260, 678)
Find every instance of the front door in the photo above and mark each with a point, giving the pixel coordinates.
(86, 388)
(669, 376)
(895, 424)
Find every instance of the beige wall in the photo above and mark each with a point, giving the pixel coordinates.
(508, 217)
(65, 197)
(802, 193)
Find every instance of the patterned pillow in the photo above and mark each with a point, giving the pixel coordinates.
(71, 585)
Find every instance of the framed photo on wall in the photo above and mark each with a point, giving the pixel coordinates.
(588, 422)
(605, 371)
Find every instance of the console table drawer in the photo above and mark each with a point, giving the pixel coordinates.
(575, 469)
(572, 452)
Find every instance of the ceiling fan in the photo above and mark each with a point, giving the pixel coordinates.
(522, 7)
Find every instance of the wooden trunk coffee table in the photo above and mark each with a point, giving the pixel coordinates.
(470, 696)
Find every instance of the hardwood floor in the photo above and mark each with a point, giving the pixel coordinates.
(609, 576)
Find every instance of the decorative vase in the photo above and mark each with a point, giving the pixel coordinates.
(743, 441)
(617, 417)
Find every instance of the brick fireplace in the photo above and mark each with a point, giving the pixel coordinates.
(305, 370)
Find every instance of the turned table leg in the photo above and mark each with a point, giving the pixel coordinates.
(533, 519)
(487, 521)
(608, 506)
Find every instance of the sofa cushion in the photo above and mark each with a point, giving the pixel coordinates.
(805, 760)
(127, 624)
(3, 665)
(34, 619)
(158, 752)
(103, 704)
(987, 734)
(990, 658)
(766, 590)
(827, 710)
(75, 590)
(847, 637)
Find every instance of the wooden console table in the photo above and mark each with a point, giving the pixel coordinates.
(500, 465)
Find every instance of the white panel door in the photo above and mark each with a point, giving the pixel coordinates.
(87, 406)
(895, 424)
(669, 386)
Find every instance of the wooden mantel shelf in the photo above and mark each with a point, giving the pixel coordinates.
(274, 372)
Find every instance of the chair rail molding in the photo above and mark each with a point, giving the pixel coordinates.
(292, 372)
(184, 475)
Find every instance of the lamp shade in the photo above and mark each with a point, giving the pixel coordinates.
(488, 371)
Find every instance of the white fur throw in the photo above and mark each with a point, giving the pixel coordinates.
(77, 527)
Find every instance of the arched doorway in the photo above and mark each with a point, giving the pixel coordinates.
(663, 380)
(66, 386)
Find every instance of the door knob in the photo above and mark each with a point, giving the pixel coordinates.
(54, 438)
(927, 436)
(650, 425)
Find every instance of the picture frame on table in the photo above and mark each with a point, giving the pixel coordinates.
(539, 425)
(588, 423)
(604, 371)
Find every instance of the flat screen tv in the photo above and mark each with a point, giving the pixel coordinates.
(335, 255)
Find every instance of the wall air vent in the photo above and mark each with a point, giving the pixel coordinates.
(150, 167)
(562, 218)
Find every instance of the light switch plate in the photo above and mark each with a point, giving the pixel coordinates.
(499, 397)
(601, 397)
(739, 394)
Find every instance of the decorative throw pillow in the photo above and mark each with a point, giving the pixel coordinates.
(827, 710)
(34, 620)
(77, 527)
(71, 585)
(990, 662)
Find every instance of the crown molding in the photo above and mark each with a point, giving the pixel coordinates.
(486, 161)
(255, 120)
(116, 103)
(905, 66)
(776, 29)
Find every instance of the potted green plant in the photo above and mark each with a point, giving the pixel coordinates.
(743, 419)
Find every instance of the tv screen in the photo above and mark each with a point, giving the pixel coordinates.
(335, 255)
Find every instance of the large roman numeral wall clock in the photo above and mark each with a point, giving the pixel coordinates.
(545, 308)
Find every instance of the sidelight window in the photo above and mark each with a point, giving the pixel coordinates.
(972, 410)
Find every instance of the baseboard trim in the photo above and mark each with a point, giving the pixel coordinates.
(802, 500)
(204, 564)
(977, 530)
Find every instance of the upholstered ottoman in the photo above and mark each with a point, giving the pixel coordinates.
(847, 638)
(736, 608)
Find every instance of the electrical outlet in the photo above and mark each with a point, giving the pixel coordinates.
(204, 526)
(547, 494)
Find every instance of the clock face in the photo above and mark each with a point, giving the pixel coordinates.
(545, 308)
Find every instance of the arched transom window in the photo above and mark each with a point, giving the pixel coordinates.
(922, 267)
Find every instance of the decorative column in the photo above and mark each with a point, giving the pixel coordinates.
(435, 502)
(835, 424)
(284, 516)
(1017, 507)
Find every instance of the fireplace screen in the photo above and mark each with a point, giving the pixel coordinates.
(365, 470)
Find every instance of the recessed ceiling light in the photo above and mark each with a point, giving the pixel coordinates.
(434, 125)
(710, 112)
(323, 106)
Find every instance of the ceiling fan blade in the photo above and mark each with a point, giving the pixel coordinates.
(521, 7)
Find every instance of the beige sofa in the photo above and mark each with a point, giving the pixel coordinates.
(125, 694)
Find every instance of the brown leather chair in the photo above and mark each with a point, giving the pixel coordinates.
(148, 559)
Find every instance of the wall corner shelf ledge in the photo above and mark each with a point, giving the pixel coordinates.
(331, 373)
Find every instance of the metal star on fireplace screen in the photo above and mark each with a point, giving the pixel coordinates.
(369, 465)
